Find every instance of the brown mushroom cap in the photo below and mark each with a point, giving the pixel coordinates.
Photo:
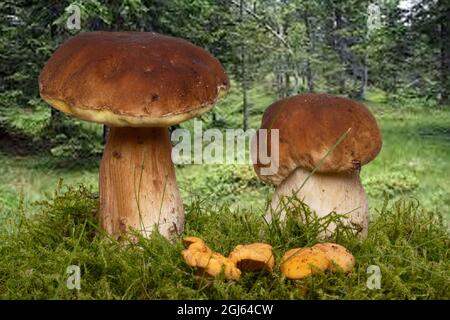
(310, 124)
(253, 257)
(138, 79)
(303, 262)
(341, 259)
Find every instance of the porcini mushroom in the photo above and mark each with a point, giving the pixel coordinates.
(340, 258)
(300, 263)
(189, 241)
(139, 83)
(323, 142)
(253, 257)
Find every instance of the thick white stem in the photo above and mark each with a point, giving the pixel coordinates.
(325, 193)
(138, 187)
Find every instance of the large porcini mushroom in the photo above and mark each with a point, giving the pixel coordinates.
(310, 126)
(341, 260)
(253, 257)
(300, 263)
(139, 83)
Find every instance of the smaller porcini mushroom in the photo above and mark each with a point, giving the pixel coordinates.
(300, 263)
(340, 258)
(253, 257)
(211, 263)
(324, 140)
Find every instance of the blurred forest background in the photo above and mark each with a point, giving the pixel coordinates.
(392, 55)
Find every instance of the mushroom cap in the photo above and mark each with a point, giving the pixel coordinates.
(253, 257)
(187, 241)
(340, 258)
(196, 244)
(211, 263)
(309, 125)
(300, 263)
(137, 79)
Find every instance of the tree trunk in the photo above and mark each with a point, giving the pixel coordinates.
(56, 124)
(342, 85)
(287, 81)
(309, 76)
(309, 70)
(105, 134)
(445, 55)
(279, 79)
(357, 65)
(360, 92)
(246, 109)
(55, 115)
(245, 105)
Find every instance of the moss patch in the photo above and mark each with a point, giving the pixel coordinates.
(410, 245)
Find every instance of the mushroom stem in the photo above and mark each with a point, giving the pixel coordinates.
(138, 188)
(324, 193)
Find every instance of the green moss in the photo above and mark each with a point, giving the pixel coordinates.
(392, 183)
(409, 244)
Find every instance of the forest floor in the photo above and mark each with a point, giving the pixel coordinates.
(224, 204)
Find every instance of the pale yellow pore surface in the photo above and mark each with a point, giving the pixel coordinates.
(117, 120)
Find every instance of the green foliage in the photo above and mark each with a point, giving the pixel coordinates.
(392, 184)
(70, 139)
(76, 146)
(27, 120)
(9, 203)
(408, 244)
(220, 183)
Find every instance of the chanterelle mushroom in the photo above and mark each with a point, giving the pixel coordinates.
(196, 244)
(309, 126)
(200, 256)
(302, 262)
(253, 257)
(340, 258)
(139, 83)
(188, 241)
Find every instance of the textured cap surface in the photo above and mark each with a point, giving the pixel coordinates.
(211, 263)
(299, 263)
(132, 79)
(253, 257)
(310, 124)
(340, 258)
